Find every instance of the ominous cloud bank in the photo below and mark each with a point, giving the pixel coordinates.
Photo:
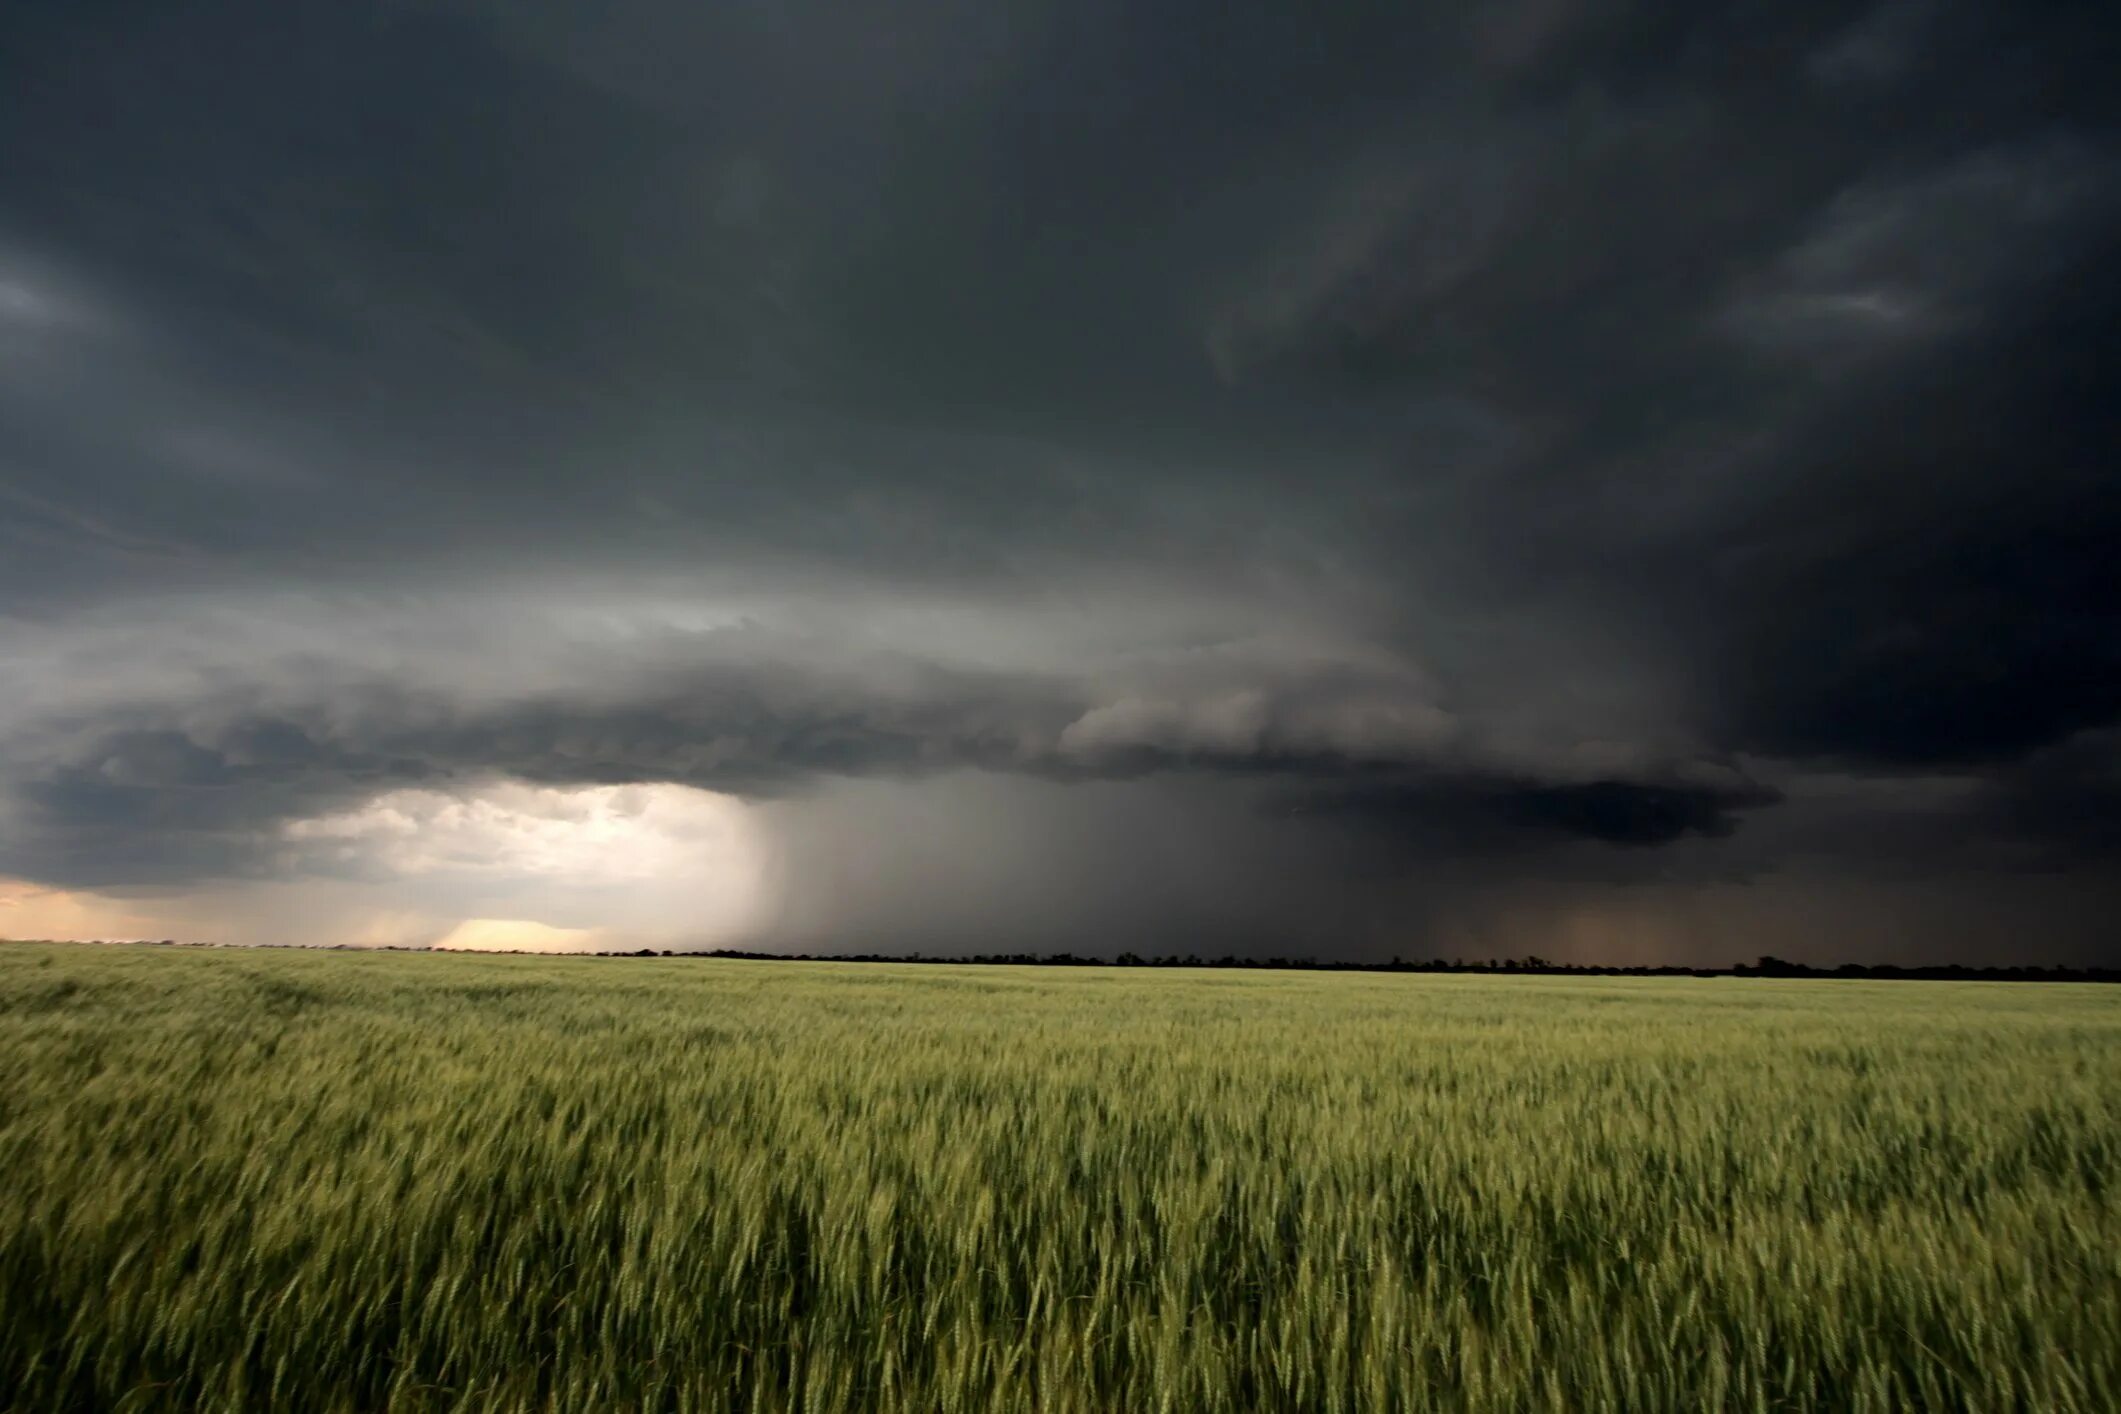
(1624, 480)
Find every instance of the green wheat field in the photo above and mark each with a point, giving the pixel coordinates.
(342, 1181)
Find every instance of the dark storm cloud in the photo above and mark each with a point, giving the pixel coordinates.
(1808, 344)
(1935, 581)
(1666, 444)
(2062, 805)
(1459, 814)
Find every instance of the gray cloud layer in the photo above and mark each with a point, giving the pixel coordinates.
(1426, 457)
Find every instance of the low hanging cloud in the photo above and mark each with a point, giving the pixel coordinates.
(219, 782)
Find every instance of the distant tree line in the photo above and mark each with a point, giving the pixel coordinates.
(1768, 966)
(1537, 966)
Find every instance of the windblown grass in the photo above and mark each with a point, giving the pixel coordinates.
(345, 1182)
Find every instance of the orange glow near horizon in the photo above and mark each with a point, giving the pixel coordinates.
(35, 911)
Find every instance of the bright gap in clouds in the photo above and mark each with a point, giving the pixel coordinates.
(548, 869)
(589, 835)
(497, 866)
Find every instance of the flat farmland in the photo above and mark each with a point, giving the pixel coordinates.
(343, 1181)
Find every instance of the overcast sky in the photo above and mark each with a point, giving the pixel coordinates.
(1622, 482)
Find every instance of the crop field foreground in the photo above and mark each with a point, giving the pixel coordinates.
(339, 1181)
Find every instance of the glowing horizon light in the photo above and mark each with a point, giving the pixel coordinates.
(30, 910)
(505, 865)
(518, 935)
